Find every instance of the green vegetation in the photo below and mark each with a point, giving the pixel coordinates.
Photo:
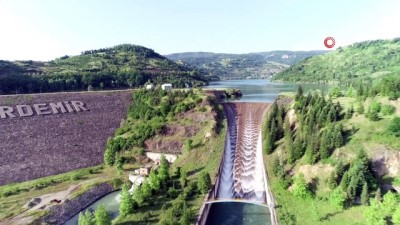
(122, 66)
(328, 146)
(361, 62)
(172, 194)
(100, 217)
(239, 66)
(14, 196)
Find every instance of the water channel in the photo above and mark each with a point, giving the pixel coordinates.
(261, 90)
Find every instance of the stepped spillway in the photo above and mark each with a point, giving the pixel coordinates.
(242, 173)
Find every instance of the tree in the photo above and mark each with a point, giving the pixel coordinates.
(182, 178)
(86, 218)
(163, 170)
(373, 213)
(378, 195)
(204, 183)
(389, 203)
(109, 157)
(394, 127)
(146, 189)
(154, 181)
(138, 196)
(188, 145)
(101, 215)
(337, 199)
(119, 163)
(126, 206)
(396, 217)
(364, 194)
(299, 93)
(300, 187)
(344, 183)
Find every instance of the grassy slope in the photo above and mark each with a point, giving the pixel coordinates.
(370, 135)
(360, 61)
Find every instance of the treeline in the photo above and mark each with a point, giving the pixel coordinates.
(122, 66)
(317, 132)
(148, 113)
(20, 84)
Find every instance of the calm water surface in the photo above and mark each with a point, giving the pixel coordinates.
(262, 90)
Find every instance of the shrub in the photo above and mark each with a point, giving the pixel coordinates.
(394, 127)
(388, 110)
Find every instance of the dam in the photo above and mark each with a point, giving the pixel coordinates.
(240, 194)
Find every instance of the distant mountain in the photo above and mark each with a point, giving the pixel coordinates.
(359, 62)
(239, 66)
(121, 66)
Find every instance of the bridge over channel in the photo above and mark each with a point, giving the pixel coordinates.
(242, 176)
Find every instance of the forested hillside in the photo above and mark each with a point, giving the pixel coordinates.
(334, 160)
(238, 66)
(361, 62)
(122, 66)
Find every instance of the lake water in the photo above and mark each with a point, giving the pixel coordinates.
(262, 90)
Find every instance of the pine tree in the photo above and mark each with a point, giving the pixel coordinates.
(126, 206)
(119, 163)
(300, 187)
(146, 190)
(299, 93)
(138, 196)
(378, 195)
(154, 181)
(183, 179)
(396, 217)
(344, 183)
(373, 214)
(389, 203)
(89, 218)
(364, 194)
(102, 217)
(340, 169)
(324, 147)
(204, 183)
(337, 199)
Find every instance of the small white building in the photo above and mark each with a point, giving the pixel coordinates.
(149, 86)
(166, 87)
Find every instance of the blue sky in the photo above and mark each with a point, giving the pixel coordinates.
(46, 29)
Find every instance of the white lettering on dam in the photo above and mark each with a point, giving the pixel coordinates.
(42, 109)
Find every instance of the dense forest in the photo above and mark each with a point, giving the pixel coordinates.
(239, 66)
(364, 62)
(122, 66)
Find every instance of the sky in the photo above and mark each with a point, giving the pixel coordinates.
(47, 29)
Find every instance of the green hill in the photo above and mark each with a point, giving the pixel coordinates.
(122, 66)
(364, 61)
(238, 66)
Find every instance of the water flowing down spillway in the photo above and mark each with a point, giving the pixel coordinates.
(242, 171)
